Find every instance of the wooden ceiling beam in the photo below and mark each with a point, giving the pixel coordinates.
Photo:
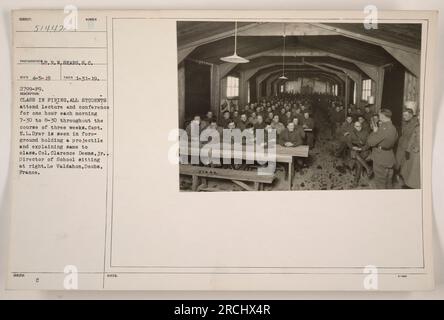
(367, 38)
(330, 76)
(183, 53)
(410, 61)
(351, 73)
(292, 52)
(291, 29)
(251, 72)
(216, 36)
(342, 75)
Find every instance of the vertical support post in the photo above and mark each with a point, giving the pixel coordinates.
(258, 90)
(215, 89)
(268, 88)
(346, 93)
(243, 89)
(181, 89)
(359, 91)
(379, 88)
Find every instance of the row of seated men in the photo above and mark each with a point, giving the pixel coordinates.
(293, 124)
(366, 135)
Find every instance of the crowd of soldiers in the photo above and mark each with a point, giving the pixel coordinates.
(365, 136)
(288, 116)
(368, 140)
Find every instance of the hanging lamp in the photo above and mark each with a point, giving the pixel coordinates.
(234, 58)
(283, 77)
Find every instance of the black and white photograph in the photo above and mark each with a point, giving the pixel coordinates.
(135, 136)
(299, 105)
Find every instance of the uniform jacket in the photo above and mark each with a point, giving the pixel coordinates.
(296, 136)
(358, 139)
(382, 143)
(278, 126)
(309, 123)
(407, 130)
(410, 170)
(338, 117)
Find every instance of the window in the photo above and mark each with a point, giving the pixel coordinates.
(232, 87)
(282, 88)
(334, 89)
(366, 89)
(354, 92)
(248, 91)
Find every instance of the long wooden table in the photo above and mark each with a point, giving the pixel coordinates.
(283, 155)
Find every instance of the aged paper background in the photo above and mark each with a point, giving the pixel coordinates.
(141, 209)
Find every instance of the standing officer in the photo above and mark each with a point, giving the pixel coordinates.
(410, 122)
(382, 140)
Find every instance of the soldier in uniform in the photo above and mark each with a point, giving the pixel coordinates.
(410, 122)
(365, 125)
(208, 119)
(343, 132)
(359, 150)
(225, 120)
(292, 136)
(297, 114)
(382, 141)
(308, 125)
(367, 114)
(242, 123)
(337, 118)
(213, 129)
(260, 124)
(276, 124)
(410, 170)
(194, 128)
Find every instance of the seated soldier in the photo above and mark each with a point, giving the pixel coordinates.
(212, 130)
(253, 118)
(208, 118)
(367, 114)
(351, 112)
(225, 120)
(229, 132)
(282, 116)
(247, 110)
(194, 128)
(344, 131)
(299, 115)
(242, 123)
(260, 124)
(248, 135)
(365, 125)
(275, 124)
(374, 121)
(231, 125)
(270, 135)
(236, 116)
(359, 151)
(292, 136)
(288, 117)
(259, 111)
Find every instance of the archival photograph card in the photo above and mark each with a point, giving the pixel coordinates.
(221, 150)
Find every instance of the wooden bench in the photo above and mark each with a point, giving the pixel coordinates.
(239, 177)
(283, 155)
